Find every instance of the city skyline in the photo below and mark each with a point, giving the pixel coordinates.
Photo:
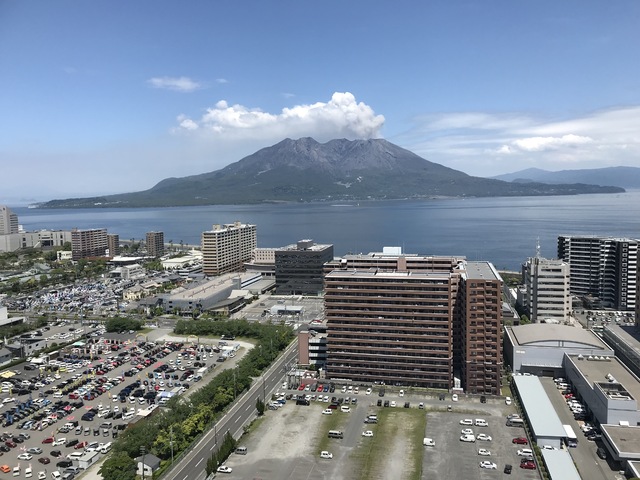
(104, 100)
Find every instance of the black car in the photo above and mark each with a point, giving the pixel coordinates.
(379, 403)
(56, 453)
(507, 469)
(87, 417)
(71, 443)
(64, 463)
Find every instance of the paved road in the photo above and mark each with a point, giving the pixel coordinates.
(584, 456)
(192, 466)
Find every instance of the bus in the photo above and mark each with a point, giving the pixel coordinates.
(570, 436)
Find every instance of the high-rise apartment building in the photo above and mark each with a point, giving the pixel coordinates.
(155, 244)
(299, 268)
(432, 322)
(545, 294)
(602, 268)
(88, 243)
(8, 221)
(226, 247)
(113, 244)
(481, 328)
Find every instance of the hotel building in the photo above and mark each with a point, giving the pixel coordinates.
(155, 244)
(546, 295)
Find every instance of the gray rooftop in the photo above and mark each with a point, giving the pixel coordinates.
(560, 465)
(597, 371)
(482, 271)
(626, 440)
(539, 410)
(545, 332)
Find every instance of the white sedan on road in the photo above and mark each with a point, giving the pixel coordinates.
(484, 452)
(488, 464)
(224, 469)
(367, 433)
(325, 454)
(466, 421)
(483, 437)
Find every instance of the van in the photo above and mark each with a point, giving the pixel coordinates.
(105, 448)
(162, 401)
(241, 450)
(127, 416)
(515, 422)
(373, 417)
(335, 434)
(481, 422)
(78, 430)
(345, 409)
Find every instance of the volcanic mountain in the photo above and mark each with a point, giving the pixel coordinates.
(304, 170)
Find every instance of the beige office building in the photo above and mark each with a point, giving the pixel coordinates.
(226, 247)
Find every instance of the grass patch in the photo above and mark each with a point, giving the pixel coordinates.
(255, 424)
(406, 426)
(336, 421)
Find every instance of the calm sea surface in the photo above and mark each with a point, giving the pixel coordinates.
(501, 230)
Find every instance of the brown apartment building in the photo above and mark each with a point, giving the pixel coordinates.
(414, 320)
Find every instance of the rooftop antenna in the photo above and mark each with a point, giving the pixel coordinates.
(538, 247)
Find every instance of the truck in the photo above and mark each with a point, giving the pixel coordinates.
(570, 436)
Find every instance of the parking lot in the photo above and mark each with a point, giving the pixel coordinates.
(59, 416)
(288, 441)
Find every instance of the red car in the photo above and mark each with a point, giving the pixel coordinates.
(44, 460)
(74, 396)
(319, 389)
(301, 387)
(80, 445)
(48, 440)
(11, 444)
(520, 441)
(528, 465)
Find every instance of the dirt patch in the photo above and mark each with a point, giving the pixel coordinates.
(289, 432)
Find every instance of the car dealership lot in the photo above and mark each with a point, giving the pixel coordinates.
(49, 406)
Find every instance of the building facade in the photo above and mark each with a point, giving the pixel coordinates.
(299, 268)
(155, 244)
(546, 294)
(602, 268)
(8, 221)
(44, 239)
(88, 243)
(226, 247)
(432, 322)
(113, 244)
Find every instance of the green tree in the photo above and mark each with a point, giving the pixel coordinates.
(524, 320)
(260, 407)
(118, 466)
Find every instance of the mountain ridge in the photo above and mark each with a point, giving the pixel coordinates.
(305, 170)
(620, 176)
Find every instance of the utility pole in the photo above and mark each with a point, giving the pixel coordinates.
(143, 451)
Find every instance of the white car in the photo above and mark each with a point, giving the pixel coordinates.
(367, 433)
(368, 392)
(467, 431)
(393, 403)
(428, 442)
(284, 385)
(466, 421)
(401, 393)
(25, 456)
(325, 454)
(488, 464)
(507, 401)
(224, 469)
(454, 397)
(525, 452)
(484, 452)
(42, 476)
(467, 438)
(483, 437)
(8, 400)
(327, 411)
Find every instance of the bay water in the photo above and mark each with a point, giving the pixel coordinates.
(501, 230)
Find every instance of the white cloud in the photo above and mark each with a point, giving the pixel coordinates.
(222, 80)
(342, 116)
(538, 144)
(178, 84)
(486, 144)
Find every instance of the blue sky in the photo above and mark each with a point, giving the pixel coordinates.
(102, 97)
